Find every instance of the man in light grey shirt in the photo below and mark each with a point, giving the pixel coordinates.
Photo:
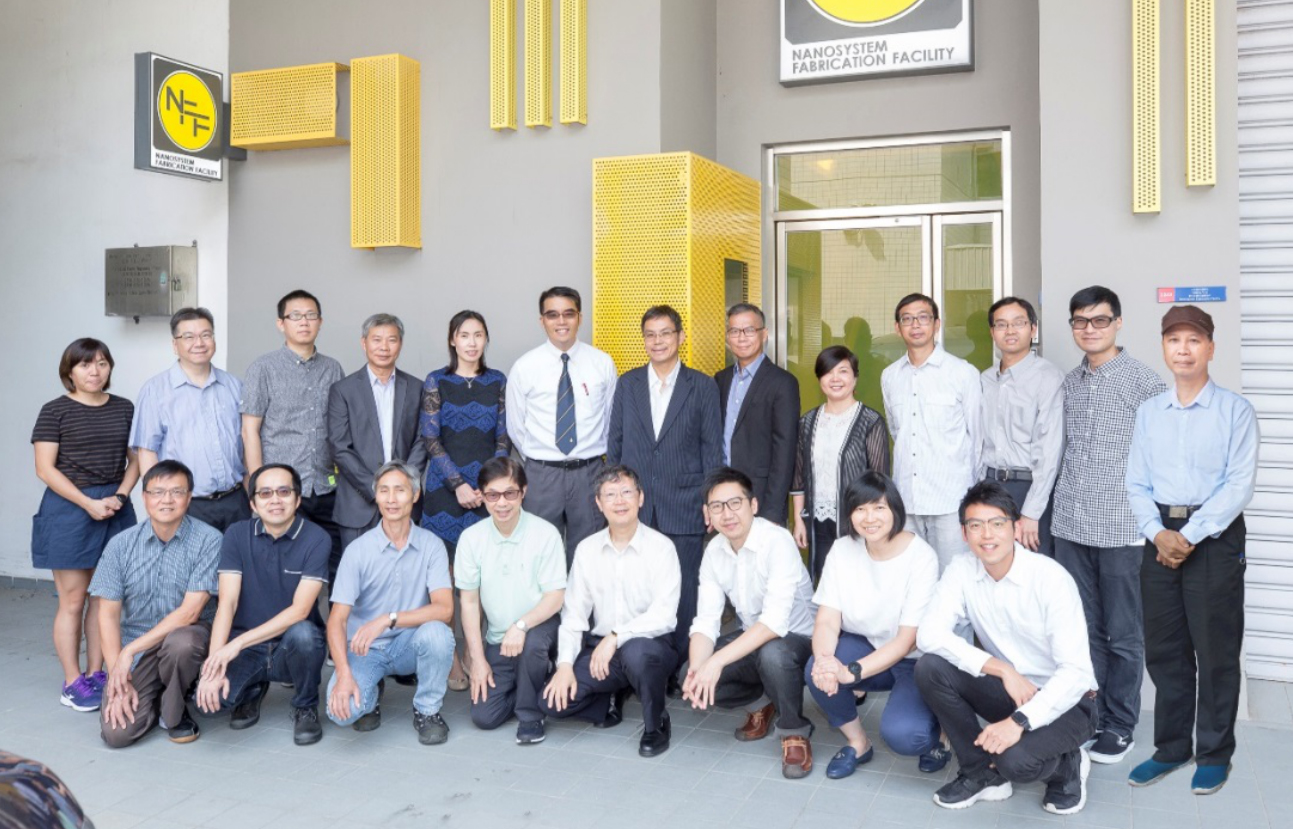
(1023, 421)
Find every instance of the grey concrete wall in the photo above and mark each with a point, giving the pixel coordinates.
(689, 76)
(504, 215)
(755, 110)
(68, 190)
(1088, 232)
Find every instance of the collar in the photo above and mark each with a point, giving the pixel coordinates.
(295, 358)
(653, 378)
(935, 358)
(1108, 367)
(750, 370)
(258, 528)
(372, 378)
(517, 533)
(176, 376)
(1020, 568)
(1019, 369)
(557, 352)
(755, 541)
(1169, 400)
(147, 534)
(635, 543)
(387, 544)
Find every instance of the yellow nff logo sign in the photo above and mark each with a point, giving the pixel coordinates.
(864, 12)
(187, 111)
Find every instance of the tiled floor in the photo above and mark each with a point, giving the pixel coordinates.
(578, 779)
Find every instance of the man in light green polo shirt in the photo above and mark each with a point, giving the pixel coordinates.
(514, 568)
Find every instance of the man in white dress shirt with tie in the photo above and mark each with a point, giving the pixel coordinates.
(932, 402)
(559, 399)
(1031, 680)
(626, 577)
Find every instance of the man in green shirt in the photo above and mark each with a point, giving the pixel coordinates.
(513, 567)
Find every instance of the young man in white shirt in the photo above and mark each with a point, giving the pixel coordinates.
(1031, 681)
(626, 578)
(760, 667)
(559, 399)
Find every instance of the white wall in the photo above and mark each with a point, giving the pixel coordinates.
(68, 190)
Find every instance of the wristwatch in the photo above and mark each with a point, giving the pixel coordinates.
(394, 615)
(521, 625)
(124, 499)
(855, 668)
(1021, 720)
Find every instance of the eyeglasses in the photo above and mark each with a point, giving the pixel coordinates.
(621, 495)
(738, 333)
(553, 316)
(908, 320)
(1080, 323)
(283, 492)
(975, 526)
(297, 316)
(205, 336)
(509, 494)
(733, 504)
(174, 492)
(1011, 325)
(652, 336)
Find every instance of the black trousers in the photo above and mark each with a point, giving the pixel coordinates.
(959, 700)
(641, 664)
(518, 680)
(318, 509)
(1019, 491)
(825, 534)
(776, 671)
(221, 512)
(1194, 628)
(691, 549)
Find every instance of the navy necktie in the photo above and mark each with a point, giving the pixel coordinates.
(567, 435)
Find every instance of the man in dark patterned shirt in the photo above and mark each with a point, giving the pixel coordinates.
(1096, 537)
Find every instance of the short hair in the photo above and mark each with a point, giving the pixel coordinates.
(655, 312)
(869, 487)
(80, 351)
(296, 476)
(831, 357)
(415, 483)
(728, 475)
(990, 494)
(1012, 300)
(564, 292)
(747, 308)
(377, 320)
(496, 469)
(912, 298)
(298, 294)
(1095, 295)
(614, 473)
(456, 323)
(167, 469)
(188, 315)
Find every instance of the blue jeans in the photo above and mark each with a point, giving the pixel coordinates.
(426, 650)
(296, 657)
(907, 725)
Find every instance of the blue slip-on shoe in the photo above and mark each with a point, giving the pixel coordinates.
(1151, 771)
(935, 760)
(846, 761)
(1209, 779)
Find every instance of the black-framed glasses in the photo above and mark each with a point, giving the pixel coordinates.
(297, 316)
(748, 331)
(509, 494)
(284, 492)
(1100, 322)
(975, 527)
(554, 316)
(908, 320)
(733, 504)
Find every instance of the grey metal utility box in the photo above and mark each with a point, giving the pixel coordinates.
(150, 282)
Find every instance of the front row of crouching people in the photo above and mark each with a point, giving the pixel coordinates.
(1000, 638)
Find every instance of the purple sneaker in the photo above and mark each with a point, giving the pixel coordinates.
(100, 680)
(82, 695)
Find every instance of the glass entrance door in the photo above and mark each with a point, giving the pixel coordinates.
(967, 280)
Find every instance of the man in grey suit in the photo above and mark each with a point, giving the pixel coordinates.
(372, 420)
(666, 427)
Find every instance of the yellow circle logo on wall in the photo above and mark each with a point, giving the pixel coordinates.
(864, 12)
(187, 111)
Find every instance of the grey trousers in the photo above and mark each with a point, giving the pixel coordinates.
(162, 678)
(774, 673)
(518, 680)
(564, 498)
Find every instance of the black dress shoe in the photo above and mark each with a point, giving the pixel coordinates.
(247, 713)
(305, 726)
(407, 680)
(373, 719)
(673, 688)
(656, 742)
(615, 711)
(186, 731)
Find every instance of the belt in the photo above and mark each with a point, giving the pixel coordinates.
(1177, 512)
(1009, 474)
(216, 496)
(570, 464)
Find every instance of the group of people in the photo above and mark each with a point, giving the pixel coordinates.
(1011, 546)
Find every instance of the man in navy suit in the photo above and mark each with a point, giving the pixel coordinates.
(665, 426)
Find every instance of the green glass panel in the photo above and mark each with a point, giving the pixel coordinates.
(966, 171)
(967, 291)
(842, 286)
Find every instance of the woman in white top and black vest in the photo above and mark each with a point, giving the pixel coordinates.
(838, 441)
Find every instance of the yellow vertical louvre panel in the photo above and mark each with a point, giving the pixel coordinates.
(1200, 93)
(538, 63)
(385, 152)
(663, 226)
(502, 64)
(574, 61)
(1145, 160)
(284, 109)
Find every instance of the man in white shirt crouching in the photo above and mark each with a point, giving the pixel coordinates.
(1032, 681)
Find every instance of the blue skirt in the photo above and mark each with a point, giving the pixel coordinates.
(65, 537)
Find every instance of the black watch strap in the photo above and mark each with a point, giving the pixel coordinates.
(1021, 720)
(855, 668)
(124, 499)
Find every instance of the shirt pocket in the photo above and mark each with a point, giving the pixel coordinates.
(943, 411)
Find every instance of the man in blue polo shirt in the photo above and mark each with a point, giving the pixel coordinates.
(392, 604)
(267, 625)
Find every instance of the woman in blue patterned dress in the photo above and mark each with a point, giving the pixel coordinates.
(463, 425)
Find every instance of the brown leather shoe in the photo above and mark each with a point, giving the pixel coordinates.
(796, 757)
(756, 724)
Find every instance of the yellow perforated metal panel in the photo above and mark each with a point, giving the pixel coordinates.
(538, 63)
(502, 64)
(1145, 162)
(385, 152)
(1200, 89)
(574, 61)
(284, 109)
(663, 226)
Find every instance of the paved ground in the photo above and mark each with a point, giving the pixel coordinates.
(579, 778)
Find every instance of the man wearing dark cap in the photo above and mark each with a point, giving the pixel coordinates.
(1191, 472)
